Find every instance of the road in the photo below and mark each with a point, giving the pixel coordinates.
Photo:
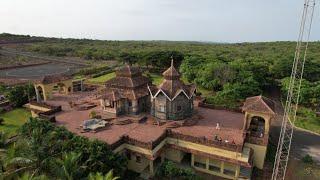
(303, 142)
(6, 50)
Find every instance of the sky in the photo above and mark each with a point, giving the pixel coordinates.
(178, 20)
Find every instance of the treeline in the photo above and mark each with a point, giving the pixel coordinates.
(231, 72)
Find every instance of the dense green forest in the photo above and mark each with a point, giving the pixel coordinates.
(231, 72)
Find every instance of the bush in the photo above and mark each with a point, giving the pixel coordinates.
(307, 159)
(1, 121)
(94, 70)
(170, 170)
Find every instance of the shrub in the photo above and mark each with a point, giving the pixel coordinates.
(93, 114)
(307, 159)
(1, 121)
(170, 170)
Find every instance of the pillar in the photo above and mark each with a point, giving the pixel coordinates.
(237, 172)
(222, 167)
(135, 107)
(207, 163)
(81, 85)
(37, 94)
(151, 167)
(192, 160)
(162, 158)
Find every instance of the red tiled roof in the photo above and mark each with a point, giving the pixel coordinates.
(129, 83)
(259, 104)
(113, 95)
(48, 79)
(128, 71)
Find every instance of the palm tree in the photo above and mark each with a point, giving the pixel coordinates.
(99, 176)
(69, 166)
(27, 176)
(29, 155)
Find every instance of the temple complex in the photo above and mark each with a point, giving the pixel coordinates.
(166, 122)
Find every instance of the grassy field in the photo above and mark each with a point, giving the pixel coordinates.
(307, 119)
(297, 169)
(13, 120)
(102, 79)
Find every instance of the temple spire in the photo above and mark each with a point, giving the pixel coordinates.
(171, 60)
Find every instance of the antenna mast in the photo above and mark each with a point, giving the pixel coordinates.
(290, 111)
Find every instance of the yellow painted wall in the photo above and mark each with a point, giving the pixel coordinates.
(138, 167)
(174, 155)
(259, 154)
(33, 114)
(177, 156)
(208, 161)
(209, 149)
(48, 88)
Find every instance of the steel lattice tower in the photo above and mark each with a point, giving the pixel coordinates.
(291, 106)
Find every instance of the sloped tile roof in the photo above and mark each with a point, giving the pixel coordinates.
(259, 104)
(129, 83)
(128, 71)
(172, 86)
(49, 79)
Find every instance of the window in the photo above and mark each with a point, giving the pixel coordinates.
(130, 103)
(138, 159)
(229, 169)
(200, 165)
(179, 108)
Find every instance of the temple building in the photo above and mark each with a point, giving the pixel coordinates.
(172, 99)
(214, 141)
(126, 93)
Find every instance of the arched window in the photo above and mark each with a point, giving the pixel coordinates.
(40, 93)
(257, 125)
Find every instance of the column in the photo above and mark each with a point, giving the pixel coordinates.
(37, 95)
(207, 163)
(162, 158)
(81, 85)
(135, 107)
(151, 167)
(237, 172)
(222, 167)
(192, 160)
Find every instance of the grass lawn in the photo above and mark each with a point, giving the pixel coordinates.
(307, 119)
(102, 79)
(14, 119)
(156, 78)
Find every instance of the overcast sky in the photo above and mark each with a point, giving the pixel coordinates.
(183, 20)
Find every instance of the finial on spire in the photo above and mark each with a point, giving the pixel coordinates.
(172, 60)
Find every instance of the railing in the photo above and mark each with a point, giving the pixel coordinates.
(257, 140)
(211, 106)
(205, 141)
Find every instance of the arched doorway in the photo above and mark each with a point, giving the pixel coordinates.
(257, 126)
(61, 88)
(39, 93)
